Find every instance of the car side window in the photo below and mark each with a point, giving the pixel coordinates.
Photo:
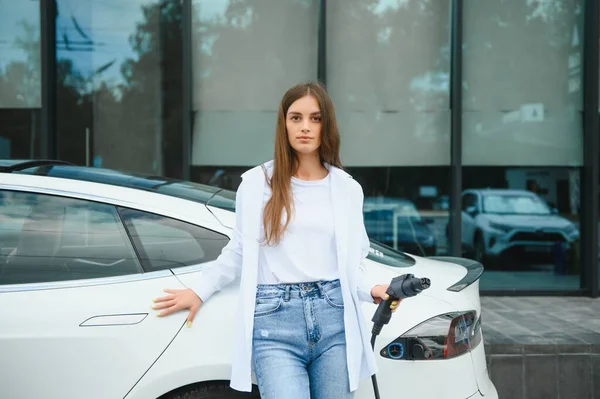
(164, 243)
(465, 201)
(468, 200)
(47, 238)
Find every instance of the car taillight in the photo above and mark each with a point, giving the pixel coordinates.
(442, 337)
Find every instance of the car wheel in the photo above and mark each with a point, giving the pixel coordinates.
(216, 390)
(479, 249)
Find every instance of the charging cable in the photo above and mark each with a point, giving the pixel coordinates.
(404, 286)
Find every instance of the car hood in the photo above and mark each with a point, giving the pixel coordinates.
(529, 221)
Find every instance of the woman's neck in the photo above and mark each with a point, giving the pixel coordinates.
(310, 167)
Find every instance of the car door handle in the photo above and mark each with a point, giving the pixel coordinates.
(114, 320)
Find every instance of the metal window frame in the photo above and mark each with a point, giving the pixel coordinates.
(48, 14)
(322, 43)
(456, 76)
(187, 90)
(590, 177)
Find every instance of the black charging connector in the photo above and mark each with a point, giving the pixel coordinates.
(404, 286)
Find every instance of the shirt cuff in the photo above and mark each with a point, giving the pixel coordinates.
(364, 294)
(365, 286)
(203, 288)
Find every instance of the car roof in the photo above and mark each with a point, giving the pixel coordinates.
(201, 193)
(12, 165)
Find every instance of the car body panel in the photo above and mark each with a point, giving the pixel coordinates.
(48, 352)
(480, 369)
(200, 353)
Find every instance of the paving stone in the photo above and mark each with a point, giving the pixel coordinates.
(575, 349)
(541, 372)
(596, 375)
(540, 349)
(575, 376)
(541, 320)
(504, 349)
(495, 336)
(507, 375)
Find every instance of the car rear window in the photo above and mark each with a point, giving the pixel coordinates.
(389, 256)
(202, 193)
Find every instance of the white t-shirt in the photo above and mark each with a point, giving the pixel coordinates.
(307, 250)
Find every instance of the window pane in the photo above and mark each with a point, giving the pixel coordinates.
(388, 74)
(19, 133)
(45, 238)
(165, 243)
(388, 71)
(522, 89)
(20, 79)
(119, 86)
(245, 56)
(524, 227)
(406, 208)
(20, 58)
(522, 141)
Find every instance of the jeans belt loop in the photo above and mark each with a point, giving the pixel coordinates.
(287, 293)
(320, 287)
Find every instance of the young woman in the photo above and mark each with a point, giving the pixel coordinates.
(298, 245)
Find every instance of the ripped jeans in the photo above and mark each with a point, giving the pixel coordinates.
(299, 345)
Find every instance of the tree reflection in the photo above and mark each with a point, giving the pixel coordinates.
(20, 82)
(134, 122)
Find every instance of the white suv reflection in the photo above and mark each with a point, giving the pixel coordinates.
(495, 221)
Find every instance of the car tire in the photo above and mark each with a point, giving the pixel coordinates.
(213, 390)
(479, 249)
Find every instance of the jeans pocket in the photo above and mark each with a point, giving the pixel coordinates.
(334, 297)
(267, 305)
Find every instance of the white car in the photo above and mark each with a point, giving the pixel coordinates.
(498, 222)
(83, 252)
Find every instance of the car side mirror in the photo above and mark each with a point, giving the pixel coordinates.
(554, 211)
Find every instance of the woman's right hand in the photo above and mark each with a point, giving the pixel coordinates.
(178, 300)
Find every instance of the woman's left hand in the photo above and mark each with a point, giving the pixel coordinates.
(378, 294)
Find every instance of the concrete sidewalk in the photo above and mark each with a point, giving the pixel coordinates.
(543, 347)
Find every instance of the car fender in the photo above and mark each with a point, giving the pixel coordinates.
(196, 354)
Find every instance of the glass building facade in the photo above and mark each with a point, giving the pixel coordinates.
(472, 125)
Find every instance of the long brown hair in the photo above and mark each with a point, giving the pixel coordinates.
(286, 161)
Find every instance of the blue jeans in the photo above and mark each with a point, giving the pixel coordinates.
(299, 345)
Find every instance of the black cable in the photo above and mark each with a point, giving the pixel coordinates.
(374, 377)
(401, 287)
